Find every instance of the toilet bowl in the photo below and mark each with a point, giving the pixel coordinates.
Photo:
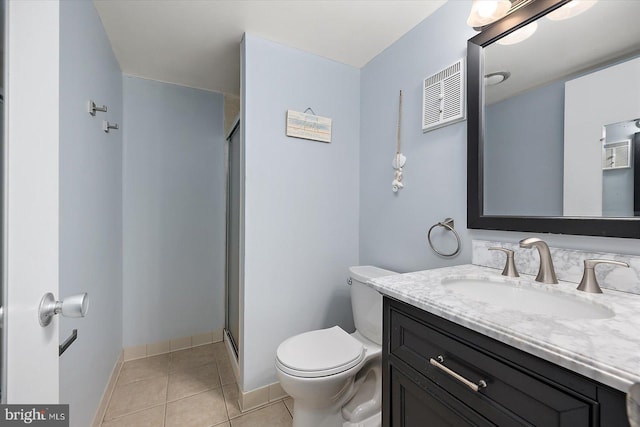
(334, 377)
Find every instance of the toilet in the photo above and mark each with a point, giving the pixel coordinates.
(335, 378)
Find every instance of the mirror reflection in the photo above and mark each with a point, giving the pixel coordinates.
(562, 103)
(621, 169)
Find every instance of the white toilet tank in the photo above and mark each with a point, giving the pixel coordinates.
(367, 302)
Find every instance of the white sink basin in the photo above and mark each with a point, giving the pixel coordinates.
(526, 298)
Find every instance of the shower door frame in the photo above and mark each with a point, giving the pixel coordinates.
(228, 159)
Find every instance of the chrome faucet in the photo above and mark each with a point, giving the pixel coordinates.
(546, 273)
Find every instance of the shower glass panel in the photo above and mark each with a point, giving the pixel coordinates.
(233, 238)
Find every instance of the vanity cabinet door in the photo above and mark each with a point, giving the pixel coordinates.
(521, 389)
(417, 402)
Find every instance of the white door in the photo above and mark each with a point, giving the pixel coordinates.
(31, 199)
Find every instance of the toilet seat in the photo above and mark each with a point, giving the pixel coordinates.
(319, 353)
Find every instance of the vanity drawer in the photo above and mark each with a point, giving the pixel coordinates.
(416, 399)
(511, 391)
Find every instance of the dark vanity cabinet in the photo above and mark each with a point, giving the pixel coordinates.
(423, 353)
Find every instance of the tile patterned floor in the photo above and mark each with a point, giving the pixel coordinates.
(187, 388)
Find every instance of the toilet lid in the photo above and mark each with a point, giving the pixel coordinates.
(319, 353)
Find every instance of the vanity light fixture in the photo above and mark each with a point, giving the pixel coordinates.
(484, 12)
(571, 9)
(496, 78)
(519, 35)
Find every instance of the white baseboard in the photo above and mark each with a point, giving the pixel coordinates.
(253, 399)
(108, 391)
(261, 396)
(162, 347)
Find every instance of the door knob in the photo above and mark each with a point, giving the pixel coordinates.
(73, 306)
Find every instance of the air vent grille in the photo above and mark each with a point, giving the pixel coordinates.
(443, 98)
(616, 155)
(431, 105)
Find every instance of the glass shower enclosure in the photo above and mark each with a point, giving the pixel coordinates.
(232, 321)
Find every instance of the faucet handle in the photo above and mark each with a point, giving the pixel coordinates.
(510, 265)
(589, 283)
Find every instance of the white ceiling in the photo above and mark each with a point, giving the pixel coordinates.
(197, 42)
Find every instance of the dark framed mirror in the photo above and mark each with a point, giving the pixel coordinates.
(553, 124)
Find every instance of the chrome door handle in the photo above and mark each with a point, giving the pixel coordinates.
(73, 306)
(473, 386)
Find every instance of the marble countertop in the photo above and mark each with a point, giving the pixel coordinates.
(606, 350)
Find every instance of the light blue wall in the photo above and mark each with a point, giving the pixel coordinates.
(90, 207)
(174, 211)
(524, 145)
(301, 200)
(393, 227)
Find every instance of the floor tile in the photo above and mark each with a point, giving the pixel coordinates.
(220, 351)
(187, 382)
(226, 372)
(231, 400)
(153, 417)
(149, 367)
(288, 402)
(137, 395)
(275, 415)
(192, 381)
(191, 358)
(204, 409)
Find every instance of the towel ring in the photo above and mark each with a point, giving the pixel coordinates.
(448, 224)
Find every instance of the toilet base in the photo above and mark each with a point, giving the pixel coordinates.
(330, 417)
(316, 419)
(373, 421)
(308, 417)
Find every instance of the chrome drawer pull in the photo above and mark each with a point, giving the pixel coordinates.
(473, 386)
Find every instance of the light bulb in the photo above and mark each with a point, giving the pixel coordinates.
(484, 12)
(486, 9)
(571, 9)
(519, 35)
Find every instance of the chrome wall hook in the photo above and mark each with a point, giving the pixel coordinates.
(106, 126)
(93, 108)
